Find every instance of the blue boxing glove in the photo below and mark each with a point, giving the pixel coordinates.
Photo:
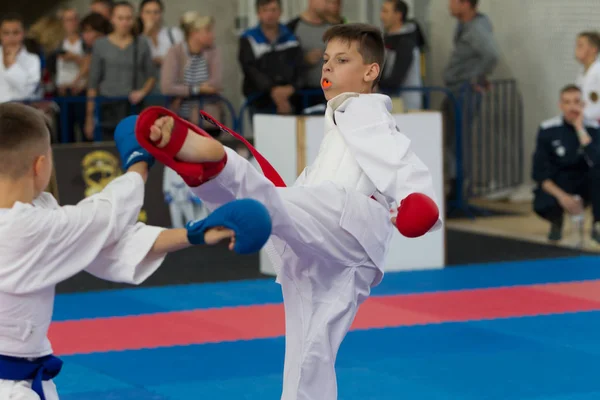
(129, 149)
(248, 218)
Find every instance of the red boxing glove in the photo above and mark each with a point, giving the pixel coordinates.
(417, 214)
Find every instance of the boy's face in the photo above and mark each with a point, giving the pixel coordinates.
(584, 49)
(344, 70)
(11, 34)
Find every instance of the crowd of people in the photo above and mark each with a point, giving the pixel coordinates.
(117, 51)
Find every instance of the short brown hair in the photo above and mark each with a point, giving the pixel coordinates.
(24, 135)
(368, 38)
(592, 37)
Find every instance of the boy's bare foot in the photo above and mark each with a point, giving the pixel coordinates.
(195, 149)
(215, 235)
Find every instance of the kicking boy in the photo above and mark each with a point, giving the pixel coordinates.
(332, 228)
(42, 244)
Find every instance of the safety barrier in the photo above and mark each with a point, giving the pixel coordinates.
(493, 138)
(64, 112)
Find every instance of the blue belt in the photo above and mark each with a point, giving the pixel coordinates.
(37, 370)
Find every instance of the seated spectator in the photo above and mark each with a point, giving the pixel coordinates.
(121, 66)
(333, 12)
(402, 59)
(20, 70)
(193, 68)
(586, 52)
(102, 7)
(271, 59)
(309, 28)
(566, 165)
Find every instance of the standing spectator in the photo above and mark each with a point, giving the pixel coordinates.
(474, 57)
(566, 165)
(402, 60)
(193, 68)
(586, 52)
(68, 61)
(20, 71)
(333, 10)
(475, 53)
(121, 66)
(160, 38)
(271, 59)
(309, 28)
(102, 7)
(92, 27)
(44, 38)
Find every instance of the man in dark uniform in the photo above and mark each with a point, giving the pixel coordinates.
(566, 165)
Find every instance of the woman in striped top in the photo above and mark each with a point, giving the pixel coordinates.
(193, 68)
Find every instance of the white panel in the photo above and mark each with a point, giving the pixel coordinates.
(425, 132)
(275, 138)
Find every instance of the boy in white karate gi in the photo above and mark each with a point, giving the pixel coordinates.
(586, 52)
(332, 228)
(42, 244)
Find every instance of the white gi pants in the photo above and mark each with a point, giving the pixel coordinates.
(325, 275)
(21, 390)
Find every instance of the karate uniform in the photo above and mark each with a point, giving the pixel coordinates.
(179, 199)
(589, 83)
(44, 244)
(330, 237)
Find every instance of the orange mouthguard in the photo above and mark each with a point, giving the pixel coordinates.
(326, 83)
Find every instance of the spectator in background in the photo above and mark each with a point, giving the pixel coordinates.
(333, 11)
(474, 57)
(67, 62)
(70, 56)
(475, 53)
(402, 66)
(102, 7)
(160, 37)
(44, 38)
(121, 66)
(309, 28)
(194, 68)
(586, 52)
(271, 59)
(20, 70)
(566, 165)
(92, 27)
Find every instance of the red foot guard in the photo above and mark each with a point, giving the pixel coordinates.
(194, 174)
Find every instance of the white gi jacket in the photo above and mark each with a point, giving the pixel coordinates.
(589, 83)
(43, 244)
(362, 155)
(21, 81)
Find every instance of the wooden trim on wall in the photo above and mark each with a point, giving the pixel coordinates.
(300, 145)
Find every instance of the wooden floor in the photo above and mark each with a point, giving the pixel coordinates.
(524, 225)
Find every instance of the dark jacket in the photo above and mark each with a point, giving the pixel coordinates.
(560, 157)
(266, 65)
